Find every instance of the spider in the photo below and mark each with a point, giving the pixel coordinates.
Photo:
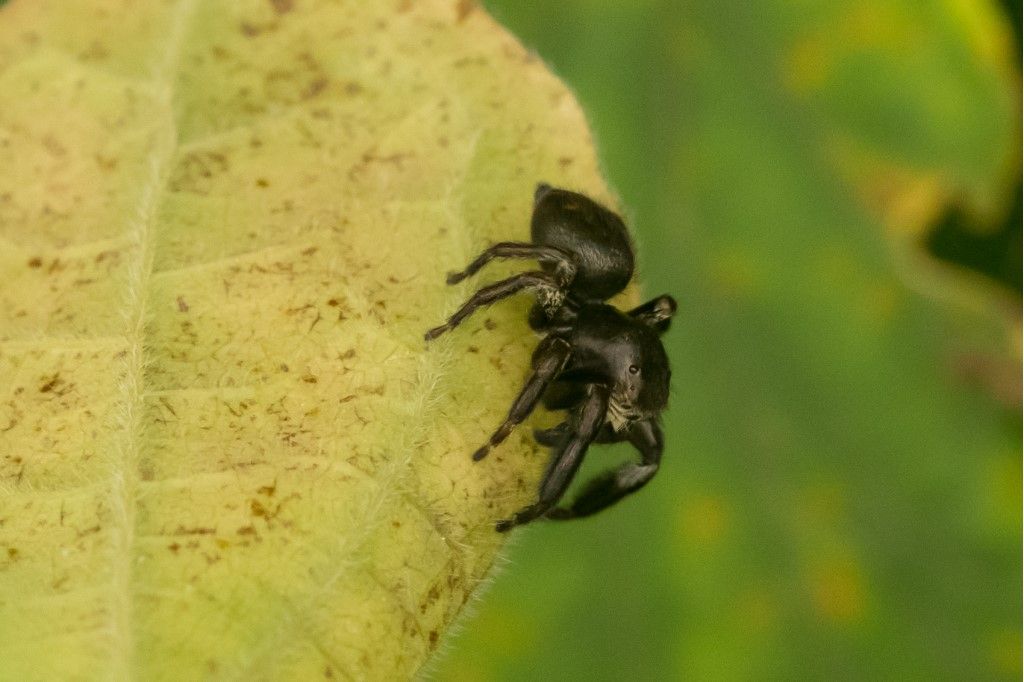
(605, 367)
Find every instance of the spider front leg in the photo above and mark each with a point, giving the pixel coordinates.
(556, 434)
(586, 424)
(548, 360)
(612, 486)
(656, 313)
(547, 285)
(544, 254)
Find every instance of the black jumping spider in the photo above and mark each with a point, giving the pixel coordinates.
(606, 367)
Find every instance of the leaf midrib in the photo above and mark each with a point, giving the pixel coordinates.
(140, 230)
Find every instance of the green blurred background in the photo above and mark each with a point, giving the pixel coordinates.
(832, 192)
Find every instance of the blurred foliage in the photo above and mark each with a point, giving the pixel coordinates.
(841, 493)
(995, 251)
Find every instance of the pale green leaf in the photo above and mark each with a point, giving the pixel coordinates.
(225, 451)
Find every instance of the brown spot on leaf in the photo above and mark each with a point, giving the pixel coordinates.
(35, 262)
(50, 383)
(193, 173)
(53, 146)
(282, 6)
(249, 30)
(314, 88)
(198, 530)
(104, 255)
(257, 509)
(432, 596)
(182, 305)
(96, 51)
(463, 9)
(106, 163)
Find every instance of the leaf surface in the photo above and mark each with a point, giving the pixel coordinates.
(225, 451)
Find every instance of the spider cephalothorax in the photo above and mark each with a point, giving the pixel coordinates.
(605, 367)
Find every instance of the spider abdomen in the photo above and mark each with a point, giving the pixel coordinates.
(592, 236)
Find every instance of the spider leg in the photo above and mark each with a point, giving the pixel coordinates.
(554, 436)
(612, 486)
(586, 424)
(564, 395)
(547, 285)
(656, 313)
(548, 360)
(545, 254)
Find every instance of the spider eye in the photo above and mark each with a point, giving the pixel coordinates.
(633, 369)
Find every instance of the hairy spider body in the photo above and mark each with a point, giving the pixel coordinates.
(605, 367)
